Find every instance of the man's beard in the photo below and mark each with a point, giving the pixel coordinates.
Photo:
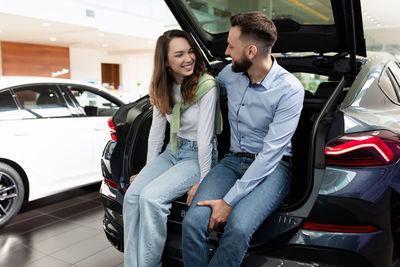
(241, 66)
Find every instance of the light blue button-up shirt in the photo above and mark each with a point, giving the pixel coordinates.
(263, 117)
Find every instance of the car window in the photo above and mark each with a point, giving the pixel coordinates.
(395, 71)
(9, 109)
(42, 101)
(213, 15)
(389, 85)
(310, 81)
(93, 103)
(7, 102)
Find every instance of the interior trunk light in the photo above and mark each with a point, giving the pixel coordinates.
(113, 131)
(340, 228)
(376, 148)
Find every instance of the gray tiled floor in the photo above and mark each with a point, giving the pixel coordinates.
(61, 230)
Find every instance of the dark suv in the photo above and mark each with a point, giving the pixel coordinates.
(343, 207)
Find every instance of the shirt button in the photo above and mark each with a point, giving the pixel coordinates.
(242, 137)
(242, 105)
(239, 121)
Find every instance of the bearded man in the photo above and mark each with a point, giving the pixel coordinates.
(250, 182)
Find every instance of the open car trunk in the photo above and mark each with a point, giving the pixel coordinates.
(320, 122)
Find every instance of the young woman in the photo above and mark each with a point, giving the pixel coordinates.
(186, 97)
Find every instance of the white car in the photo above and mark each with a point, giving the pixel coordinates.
(52, 134)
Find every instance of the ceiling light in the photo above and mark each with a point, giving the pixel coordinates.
(100, 34)
(53, 39)
(45, 24)
(105, 45)
(1, 30)
(378, 25)
(150, 41)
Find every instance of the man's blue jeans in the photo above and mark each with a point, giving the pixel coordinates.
(244, 220)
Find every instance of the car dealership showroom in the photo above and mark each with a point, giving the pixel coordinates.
(68, 66)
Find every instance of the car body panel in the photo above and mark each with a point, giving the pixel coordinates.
(46, 174)
(55, 153)
(375, 246)
(370, 108)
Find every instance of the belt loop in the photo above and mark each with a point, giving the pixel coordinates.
(192, 144)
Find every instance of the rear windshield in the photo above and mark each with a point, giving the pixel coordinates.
(213, 15)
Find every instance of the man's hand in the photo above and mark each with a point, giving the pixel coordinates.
(191, 193)
(220, 212)
(132, 178)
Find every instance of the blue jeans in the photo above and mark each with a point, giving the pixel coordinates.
(148, 199)
(244, 220)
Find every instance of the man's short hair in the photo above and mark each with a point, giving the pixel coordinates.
(256, 26)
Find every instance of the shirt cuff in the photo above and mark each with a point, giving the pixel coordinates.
(231, 198)
(201, 178)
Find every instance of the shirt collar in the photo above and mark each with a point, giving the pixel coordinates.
(269, 78)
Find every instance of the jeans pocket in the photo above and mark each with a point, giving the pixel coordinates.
(285, 163)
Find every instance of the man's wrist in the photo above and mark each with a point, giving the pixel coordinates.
(228, 200)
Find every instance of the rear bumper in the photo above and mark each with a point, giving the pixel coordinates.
(112, 199)
(304, 256)
(113, 223)
(288, 255)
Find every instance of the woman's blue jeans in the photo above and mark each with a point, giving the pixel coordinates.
(148, 199)
(244, 220)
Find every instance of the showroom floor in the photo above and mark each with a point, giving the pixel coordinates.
(61, 230)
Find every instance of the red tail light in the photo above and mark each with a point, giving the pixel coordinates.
(340, 228)
(376, 148)
(111, 183)
(113, 131)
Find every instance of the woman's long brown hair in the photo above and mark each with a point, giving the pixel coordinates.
(162, 80)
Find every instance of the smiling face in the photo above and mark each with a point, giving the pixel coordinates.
(181, 59)
(236, 50)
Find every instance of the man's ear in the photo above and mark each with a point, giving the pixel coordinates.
(252, 51)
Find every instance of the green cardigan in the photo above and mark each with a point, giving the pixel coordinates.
(206, 82)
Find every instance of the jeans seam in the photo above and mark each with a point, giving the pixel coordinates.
(162, 198)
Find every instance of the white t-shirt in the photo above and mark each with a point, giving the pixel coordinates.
(197, 123)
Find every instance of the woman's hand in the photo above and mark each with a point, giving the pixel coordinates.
(132, 178)
(191, 193)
